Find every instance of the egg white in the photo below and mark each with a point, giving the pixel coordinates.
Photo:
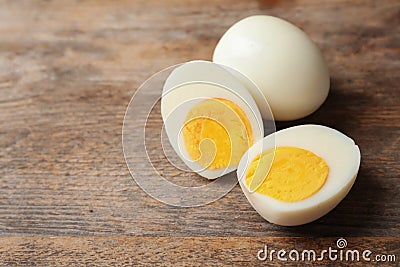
(340, 153)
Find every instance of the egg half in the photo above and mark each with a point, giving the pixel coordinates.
(281, 60)
(210, 118)
(301, 173)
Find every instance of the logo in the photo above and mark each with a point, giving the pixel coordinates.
(152, 158)
(340, 252)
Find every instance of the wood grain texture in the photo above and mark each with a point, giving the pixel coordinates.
(191, 251)
(69, 68)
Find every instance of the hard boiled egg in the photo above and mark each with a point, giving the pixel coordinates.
(301, 173)
(210, 117)
(281, 60)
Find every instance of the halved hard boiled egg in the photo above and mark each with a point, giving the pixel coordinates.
(210, 118)
(299, 174)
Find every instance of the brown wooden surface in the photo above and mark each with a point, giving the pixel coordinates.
(67, 72)
(187, 251)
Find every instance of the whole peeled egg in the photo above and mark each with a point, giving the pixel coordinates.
(281, 60)
(303, 172)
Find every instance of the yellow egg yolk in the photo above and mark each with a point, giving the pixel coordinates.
(217, 133)
(295, 173)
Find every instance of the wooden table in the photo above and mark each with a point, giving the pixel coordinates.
(67, 72)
